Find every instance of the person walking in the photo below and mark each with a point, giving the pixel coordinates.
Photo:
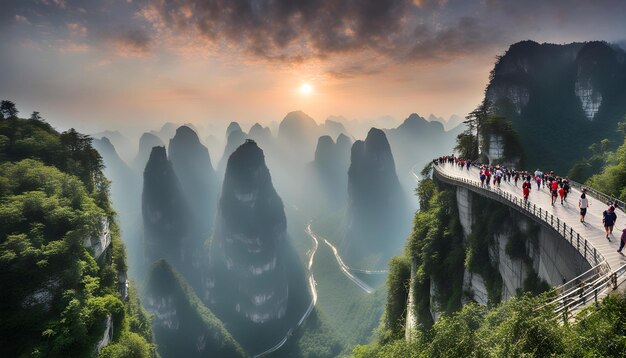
(583, 204)
(554, 186)
(526, 190)
(538, 177)
(562, 194)
(622, 241)
(608, 218)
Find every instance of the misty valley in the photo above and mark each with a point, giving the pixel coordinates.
(284, 239)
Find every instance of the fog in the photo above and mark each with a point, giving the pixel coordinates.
(223, 210)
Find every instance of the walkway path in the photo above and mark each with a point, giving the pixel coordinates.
(592, 230)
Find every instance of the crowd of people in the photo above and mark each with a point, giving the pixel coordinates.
(558, 187)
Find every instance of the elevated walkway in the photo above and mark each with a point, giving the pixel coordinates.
(589, 239)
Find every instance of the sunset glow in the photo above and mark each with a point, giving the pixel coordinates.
(306, 89)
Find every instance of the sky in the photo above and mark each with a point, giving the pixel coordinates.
(100, 64)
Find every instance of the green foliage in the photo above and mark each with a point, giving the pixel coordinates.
(586, 167)
(398, 280)
(53, 196)
(601, 332)
(131, 345)
(314, 339)
(70, 151)
(515, 328)
(8, 110)
(612, 179)
(436, 246)
(164, 281)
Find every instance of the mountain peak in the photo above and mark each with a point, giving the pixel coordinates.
(187, 134)
(233, 127)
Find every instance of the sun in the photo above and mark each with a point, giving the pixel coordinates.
(306, 89)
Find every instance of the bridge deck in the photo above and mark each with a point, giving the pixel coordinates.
(592, 230)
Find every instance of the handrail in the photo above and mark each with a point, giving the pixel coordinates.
(577, 292)
(584, 247)
(599, 195)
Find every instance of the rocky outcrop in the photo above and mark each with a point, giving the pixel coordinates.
(234, 140)
(233, 127)
(192, 164)
(147, 141)
(251, 283)
(414, 143)
(378, 216)
(541, 252)
(297, 134)
(542, 89)
(330, 170)
(165, 212)
(334, 128)
(125, 183)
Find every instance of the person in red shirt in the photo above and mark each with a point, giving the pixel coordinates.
(526, 190)
(562, 194)
(554, 187)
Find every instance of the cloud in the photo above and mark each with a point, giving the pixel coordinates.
(353, 37)
(134, 43)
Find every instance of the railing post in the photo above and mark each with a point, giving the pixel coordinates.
(614, 280)
(595, 294)
(578, 242)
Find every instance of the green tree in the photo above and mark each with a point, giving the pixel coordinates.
(8, 110)
(35, 116)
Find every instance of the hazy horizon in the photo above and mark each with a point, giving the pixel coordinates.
(143, 63)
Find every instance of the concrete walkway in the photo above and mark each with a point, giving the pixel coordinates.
(592, 230)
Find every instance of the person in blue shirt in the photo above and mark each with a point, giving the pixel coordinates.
(608, 218)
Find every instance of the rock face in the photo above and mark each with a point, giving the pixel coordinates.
(550, 257)
(330, 169)
(234, 140)
(546, 90)
(414, 143)
(124, 183)
(192, 164)
(251, 285)
(233, 127)
(119, 141)
(146, 143)
(261, 135)
(334, 128)
(165, 212)
(298, 133)
(378, 214)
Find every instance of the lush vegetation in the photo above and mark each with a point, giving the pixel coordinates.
(612, 179)
(441, 254)
(483, 123)
(515, 328)
(164, 284)
(56, 296)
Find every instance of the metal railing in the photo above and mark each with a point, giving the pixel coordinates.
(583, 289)
(599, 195)
(586, 249)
